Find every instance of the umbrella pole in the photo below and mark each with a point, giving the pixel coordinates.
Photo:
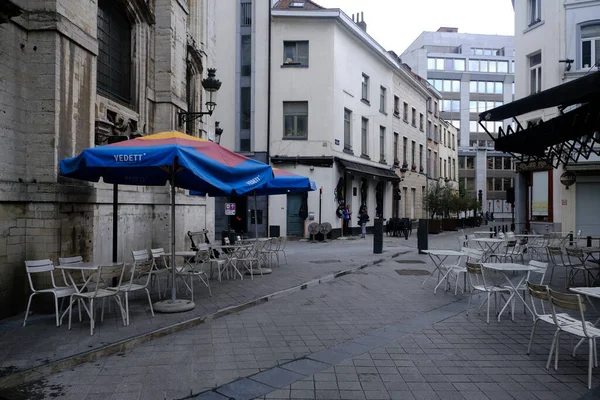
(174, 305)
(173, 265)
(115, 221)
(255, 218)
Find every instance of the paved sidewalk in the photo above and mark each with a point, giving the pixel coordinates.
(41, 342)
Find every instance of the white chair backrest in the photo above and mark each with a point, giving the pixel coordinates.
(158, 252)
(39, 266)
(70, 260)
(538, 264)
(104, 277)
(140, 255)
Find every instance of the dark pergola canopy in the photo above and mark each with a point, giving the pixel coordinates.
(574, 133)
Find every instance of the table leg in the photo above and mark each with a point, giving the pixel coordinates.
(515, 292)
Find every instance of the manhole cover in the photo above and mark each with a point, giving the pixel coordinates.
(325, 261)
(410, 262)
(412, 272)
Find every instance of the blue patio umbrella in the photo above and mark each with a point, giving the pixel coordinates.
(182, 160)
(283, 182)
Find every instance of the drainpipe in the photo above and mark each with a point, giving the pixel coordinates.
(268, 111)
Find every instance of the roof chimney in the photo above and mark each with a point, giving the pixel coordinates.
(361, 21)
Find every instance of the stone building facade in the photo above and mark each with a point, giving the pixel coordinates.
(75, 74)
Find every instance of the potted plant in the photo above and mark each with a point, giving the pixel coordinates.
(421, 169)
(404, 164)
(450, 205)
(434, 203)
(414, 167)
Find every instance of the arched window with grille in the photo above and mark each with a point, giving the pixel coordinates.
(114, 52)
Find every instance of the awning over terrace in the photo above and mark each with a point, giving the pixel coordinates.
(573, 134)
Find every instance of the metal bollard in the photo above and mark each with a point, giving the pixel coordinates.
(570, 238)
(495, 231)
(589, 241)
(491, 233)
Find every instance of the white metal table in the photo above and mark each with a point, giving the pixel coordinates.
(438, 257)
(492, 245)
(83, 267)
(512, 267)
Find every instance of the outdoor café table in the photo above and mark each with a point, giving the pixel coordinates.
(590, 251)
(492, 245)
(484, 233)
(83, 267)
(587, 292)
(505, 268)
(230, 252)
(438, 257)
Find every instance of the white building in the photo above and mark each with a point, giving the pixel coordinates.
(546, 34)
(74, 74)
(329, 106)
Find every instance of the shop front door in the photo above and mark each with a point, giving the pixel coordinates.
(295, 224)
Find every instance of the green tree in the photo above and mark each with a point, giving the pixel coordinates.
(434, 199)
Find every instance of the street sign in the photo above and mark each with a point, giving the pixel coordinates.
(229, 208)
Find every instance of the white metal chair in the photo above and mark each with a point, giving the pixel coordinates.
(195, 270)
(476, 272)
(59, 292)
(281, 249)
(143, 268)
(540, 292)
(160, 267)
(99, 278)
(581, 328)
(250, 258)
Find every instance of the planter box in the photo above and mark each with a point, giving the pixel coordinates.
(435, 226)
(449, 224)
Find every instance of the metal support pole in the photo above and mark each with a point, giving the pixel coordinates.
(512, 225)
(115, 238)
(173, 265)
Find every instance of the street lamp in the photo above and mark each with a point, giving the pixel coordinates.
(398, 194)
(218, 132)
(211, 84)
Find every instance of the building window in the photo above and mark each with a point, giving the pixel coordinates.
(420, 156)
(453, 142)
(534, 11)
(396, 106)
(382, 95)
(245, 107)
(428, 129)
(396, 138)
(535, 73)
(295, 119)
(365, 87)
(413, 153)
(447, 64)
(364, 135)
(414, 118)
(295, 53)
(454, 169)
(435, 133)
(490, 184)
(428, 162)
(435, 165)
(246, 14)
(404, 150)
(114, 52)
(590, 45)
(382, 143)
(507, 163)
(435, 109)
(498, 184)
(347, 129)
(246, 55)
(445, 85)
(405, 112)
(421, 122)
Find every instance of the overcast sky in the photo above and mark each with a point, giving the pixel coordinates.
(396, 23)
